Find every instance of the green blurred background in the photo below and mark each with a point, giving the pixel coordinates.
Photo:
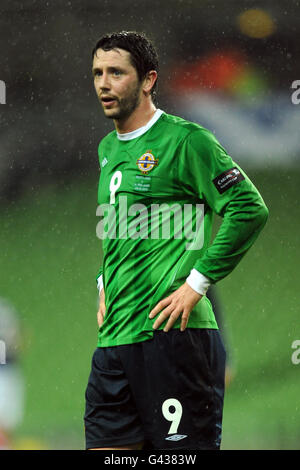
(50, 129)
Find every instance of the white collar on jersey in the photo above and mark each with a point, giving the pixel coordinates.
(141, 130)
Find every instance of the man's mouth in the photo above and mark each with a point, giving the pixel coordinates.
(108, 100)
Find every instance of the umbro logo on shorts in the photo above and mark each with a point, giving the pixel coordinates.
(175, 437)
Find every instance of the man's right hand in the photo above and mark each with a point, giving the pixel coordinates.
(102, 309)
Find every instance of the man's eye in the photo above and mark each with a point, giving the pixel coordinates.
(97, 74)
(117, 72)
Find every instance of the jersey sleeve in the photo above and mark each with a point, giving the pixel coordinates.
(99, 276)
(223, 185)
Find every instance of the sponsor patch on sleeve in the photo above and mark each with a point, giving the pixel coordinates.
(228, 179)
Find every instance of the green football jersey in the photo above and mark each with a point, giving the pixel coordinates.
(157, 195)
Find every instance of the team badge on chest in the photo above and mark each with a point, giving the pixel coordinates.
(147, 162)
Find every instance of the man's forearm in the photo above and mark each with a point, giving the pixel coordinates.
(242, 223)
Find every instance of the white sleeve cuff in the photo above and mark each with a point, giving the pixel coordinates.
(198, 282)
(100, 283)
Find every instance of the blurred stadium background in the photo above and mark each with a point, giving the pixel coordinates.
(227, 65)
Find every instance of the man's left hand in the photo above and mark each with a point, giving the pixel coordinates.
(181, 301)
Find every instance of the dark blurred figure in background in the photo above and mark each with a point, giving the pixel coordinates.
(11, 377)
(218, 308)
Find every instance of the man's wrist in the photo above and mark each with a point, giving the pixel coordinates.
(198, 282)
(100, 283)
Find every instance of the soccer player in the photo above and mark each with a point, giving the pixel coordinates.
(157, 377)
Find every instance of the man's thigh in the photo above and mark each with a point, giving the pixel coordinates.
(177, 382)
(111, 417)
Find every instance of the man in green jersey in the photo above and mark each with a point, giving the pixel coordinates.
(157, 378)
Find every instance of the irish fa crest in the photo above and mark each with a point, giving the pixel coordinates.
(147, 162)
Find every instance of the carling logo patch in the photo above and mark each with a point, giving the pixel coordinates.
(228, 179)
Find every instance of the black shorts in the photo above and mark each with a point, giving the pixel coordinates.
(167, 392)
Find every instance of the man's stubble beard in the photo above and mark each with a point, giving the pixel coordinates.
(127, 105)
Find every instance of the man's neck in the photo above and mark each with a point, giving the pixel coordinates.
(139, 118)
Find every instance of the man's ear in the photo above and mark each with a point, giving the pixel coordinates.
(149, 81)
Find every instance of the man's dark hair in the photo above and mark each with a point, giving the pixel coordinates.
(143, 55)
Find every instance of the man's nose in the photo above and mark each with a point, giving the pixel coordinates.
(104, 82)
